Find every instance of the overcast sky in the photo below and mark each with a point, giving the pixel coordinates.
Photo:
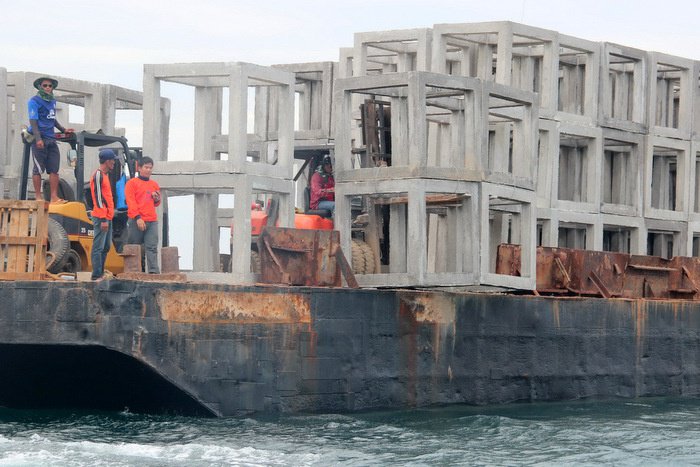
(110, 41)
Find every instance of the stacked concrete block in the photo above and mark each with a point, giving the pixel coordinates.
(449, 135)
(671, 95)
(239, 162)
(667, 178)
(508, 53)
(623, 87)
(5, 127)
(578, 168)
(577, 93)
(624, 234)
(511, 115)
(313, 98)
(622, 169)
(392, 51)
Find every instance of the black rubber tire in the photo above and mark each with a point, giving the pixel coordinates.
(65, 191)
(71, 262)
(58, 244)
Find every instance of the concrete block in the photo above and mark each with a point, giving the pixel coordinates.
(579, 63)
(670, 95)
(622, 169)
(5, 125)
(577, 168)
(666, 178)
(666, 238)
(623, 88)
(435, 121)
(624, 234)
(240, 79)
(313, 96)
(392, 51)
(431, 235)
(508, 53)
(507, 215)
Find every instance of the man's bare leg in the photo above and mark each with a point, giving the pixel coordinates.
(36, 180)
(53, 184)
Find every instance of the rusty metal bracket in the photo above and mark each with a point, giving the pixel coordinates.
(686, 272)
(562, 269)
(344, 267)
(599, 284)
(268, 247)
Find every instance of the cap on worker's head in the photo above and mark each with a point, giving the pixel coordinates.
(107, 154)
(38, 81)
(327, 159)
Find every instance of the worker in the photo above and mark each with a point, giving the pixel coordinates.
(42, 121)
(102, 212)
(142, 198)
(323, 186)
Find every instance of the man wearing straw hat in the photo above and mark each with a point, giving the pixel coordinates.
(42, 121)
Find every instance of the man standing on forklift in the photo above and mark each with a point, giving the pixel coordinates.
(142, 198)
(42, 121)
(102, 212)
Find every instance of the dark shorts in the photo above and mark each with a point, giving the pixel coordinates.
(46, 160)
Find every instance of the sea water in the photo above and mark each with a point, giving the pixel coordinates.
(628, 432)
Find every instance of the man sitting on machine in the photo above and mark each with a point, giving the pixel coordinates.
(323, 187)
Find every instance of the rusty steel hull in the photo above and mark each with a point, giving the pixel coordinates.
(237, 350)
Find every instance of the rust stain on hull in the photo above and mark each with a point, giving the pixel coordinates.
(239, 307)
(430, 308)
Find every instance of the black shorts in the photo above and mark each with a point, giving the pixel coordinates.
(46, 160)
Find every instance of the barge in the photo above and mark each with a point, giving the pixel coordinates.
(227, 350)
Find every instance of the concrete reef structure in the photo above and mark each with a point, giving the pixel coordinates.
(455, 138)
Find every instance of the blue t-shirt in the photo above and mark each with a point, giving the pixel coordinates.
(44, 112)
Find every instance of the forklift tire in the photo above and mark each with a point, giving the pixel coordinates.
(369, 257)
(58, 246)
(71, 262)
(255, 263)
(358, 258)
(65, 191)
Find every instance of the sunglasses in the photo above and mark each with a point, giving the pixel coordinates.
(47, 85)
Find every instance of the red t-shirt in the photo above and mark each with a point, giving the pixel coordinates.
(139, 199)
(322, 189)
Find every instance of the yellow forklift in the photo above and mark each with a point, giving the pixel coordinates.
(70, 226)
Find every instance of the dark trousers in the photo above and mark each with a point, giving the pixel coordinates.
(148, 239)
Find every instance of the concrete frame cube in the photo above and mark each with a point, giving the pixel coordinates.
(670, 79)
(206, 180)
(492, 236)
(209, 79)
(514, 50)
(623, 68)
(410, 155)
(314, 85)
(631, 173)
(394, 51)
(408, 232)
(588, 175)
(665, 184)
